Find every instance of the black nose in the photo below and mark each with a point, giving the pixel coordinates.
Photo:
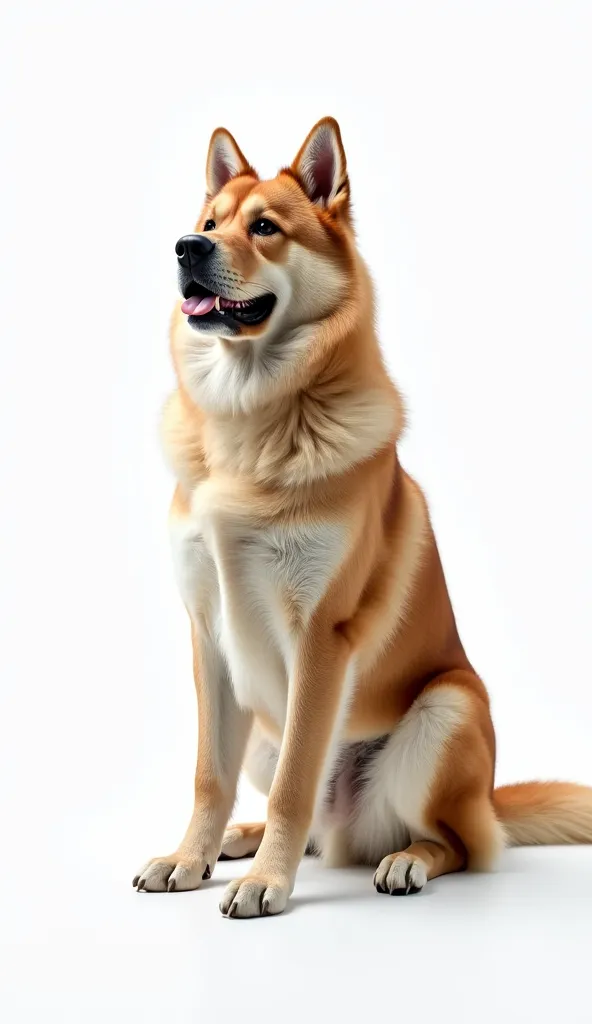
(193, 248)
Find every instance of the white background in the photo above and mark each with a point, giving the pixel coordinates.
(467, 129)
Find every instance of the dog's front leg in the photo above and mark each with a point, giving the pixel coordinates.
(318, 695)
(222, 735)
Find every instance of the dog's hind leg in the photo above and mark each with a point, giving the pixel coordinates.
(400, 874)
(431, 787)
(242, 840)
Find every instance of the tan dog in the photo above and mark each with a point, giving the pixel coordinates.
(325, 650)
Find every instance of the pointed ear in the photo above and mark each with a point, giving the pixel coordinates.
(225, 161)
(320, 163)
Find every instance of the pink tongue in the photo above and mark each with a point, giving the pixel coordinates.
(197, 307)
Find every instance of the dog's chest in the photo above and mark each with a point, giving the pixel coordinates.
(254, 590)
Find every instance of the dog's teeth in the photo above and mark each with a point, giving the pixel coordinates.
(217, 303)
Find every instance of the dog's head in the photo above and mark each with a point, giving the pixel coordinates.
(267, 262)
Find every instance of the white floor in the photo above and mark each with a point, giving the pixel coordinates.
(84, 946)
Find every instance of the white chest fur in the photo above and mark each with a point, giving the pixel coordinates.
(254, 591)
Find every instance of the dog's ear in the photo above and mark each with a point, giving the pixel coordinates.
(225, 161)
(320, 164)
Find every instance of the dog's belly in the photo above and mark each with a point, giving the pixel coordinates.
(254, 591)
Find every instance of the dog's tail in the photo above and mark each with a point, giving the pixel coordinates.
(545, 813)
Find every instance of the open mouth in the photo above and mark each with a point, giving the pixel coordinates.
(200, 302)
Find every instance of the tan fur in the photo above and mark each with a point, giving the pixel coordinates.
(308, 565)
(545, 813)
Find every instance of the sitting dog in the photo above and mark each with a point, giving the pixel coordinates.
(326, 656)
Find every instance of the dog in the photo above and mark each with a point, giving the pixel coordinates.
(326, 656)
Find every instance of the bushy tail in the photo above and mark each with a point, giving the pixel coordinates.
(545, 813)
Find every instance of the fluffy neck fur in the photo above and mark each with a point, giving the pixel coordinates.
(330, 409)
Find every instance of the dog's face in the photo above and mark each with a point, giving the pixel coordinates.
(267, 261)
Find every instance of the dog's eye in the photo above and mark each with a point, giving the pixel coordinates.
(209, 225)
(263, 227)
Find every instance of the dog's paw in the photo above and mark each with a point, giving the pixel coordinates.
(253, 896)
(400, 875)
(178, 872)
(241, 841)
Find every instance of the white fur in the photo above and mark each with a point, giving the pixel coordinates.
(194, 569)
(254, 591)
(238, 374)
(229, 376)
(392, 810)
(196, 578)
(317, 285)
(400, 874)
(252, 897)
(261, 760)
